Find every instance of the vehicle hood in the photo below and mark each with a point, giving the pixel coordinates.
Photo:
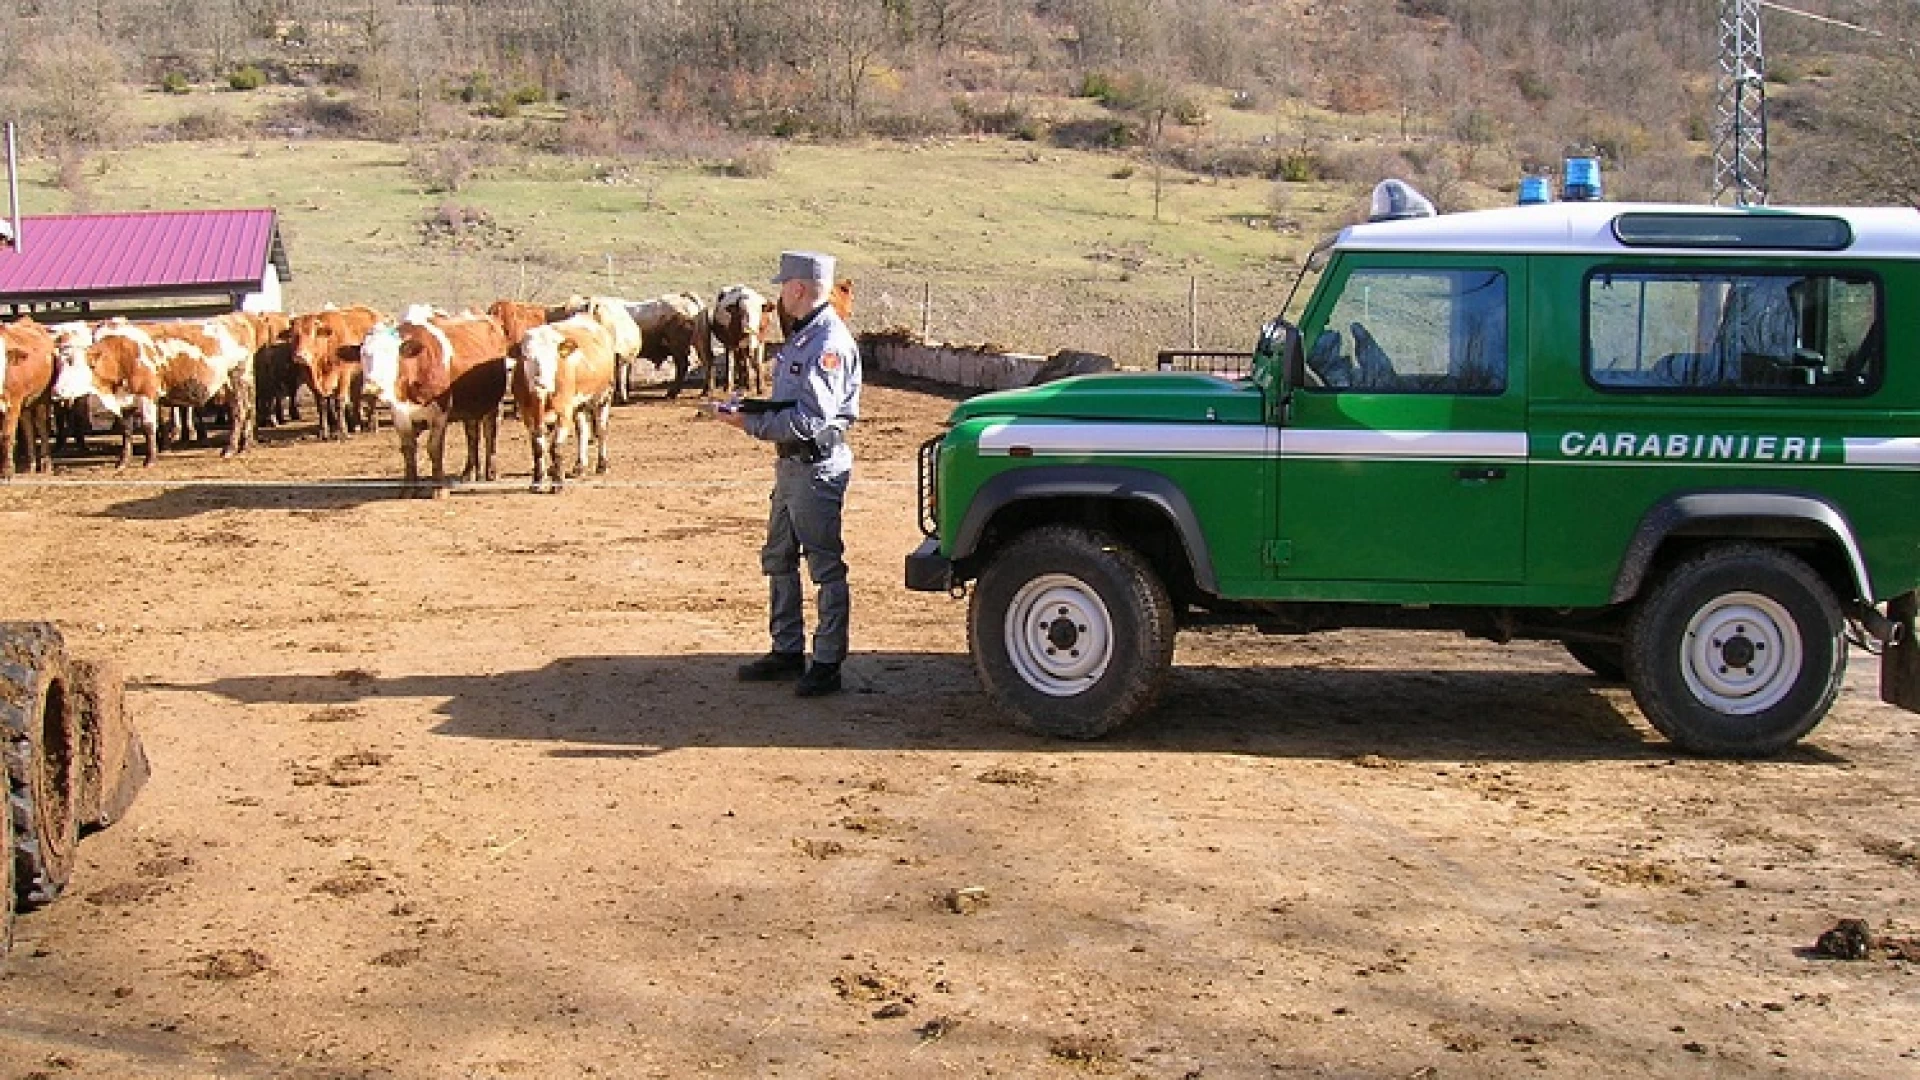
(1173, 397)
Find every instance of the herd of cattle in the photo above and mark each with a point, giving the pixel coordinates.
(559, 369)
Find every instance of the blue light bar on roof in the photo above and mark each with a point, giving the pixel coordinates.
(1582, 180)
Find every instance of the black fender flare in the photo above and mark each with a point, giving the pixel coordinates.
(1089, 481)
(1752, 514)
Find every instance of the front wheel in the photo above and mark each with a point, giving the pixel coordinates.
(1071, 631)
(1737, 652)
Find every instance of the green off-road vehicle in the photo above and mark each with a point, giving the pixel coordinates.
(1684, 441)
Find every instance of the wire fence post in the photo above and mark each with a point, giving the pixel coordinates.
(1193, 312)
(926, 311)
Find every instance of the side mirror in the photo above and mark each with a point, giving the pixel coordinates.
(1278, 365)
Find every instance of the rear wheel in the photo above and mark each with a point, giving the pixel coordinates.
(1071, 631)
(1737, 652)
(37, 729)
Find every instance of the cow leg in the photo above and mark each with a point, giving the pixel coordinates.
(39, 419)
(622, 372)
(537, 439)
(583, 438)
(409, 457)
(679, 376)
(602, 420)
(9, 430)
(243, 405)
(489, 440)
(437, 451)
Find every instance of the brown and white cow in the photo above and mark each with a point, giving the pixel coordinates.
(326, 344)
(430, 370)
(118, 368)
(739, 320)
(26, 398)
(623, 334)
(516, 318)
(672, 327)
(207, 362)
(564, 380)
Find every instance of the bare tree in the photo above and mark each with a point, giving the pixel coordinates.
(849, 38)
(70, 90)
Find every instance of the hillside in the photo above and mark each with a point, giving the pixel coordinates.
(1053, 173)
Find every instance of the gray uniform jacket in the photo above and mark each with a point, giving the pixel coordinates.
(818, 370)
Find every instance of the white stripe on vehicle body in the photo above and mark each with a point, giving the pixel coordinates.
(1402, 445)
(1894, 451)
(1115, 439)
(1132, 440)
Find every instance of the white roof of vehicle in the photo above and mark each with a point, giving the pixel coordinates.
(1587, 228)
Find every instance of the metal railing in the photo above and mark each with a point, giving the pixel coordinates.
(1230, 365)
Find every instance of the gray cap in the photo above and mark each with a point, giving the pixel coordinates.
(804, 266)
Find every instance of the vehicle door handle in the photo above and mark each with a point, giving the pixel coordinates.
(1493, 472)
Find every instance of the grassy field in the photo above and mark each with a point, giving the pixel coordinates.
(1026, 246)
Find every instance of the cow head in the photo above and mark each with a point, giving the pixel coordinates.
(541, 352)
(73, 374)
(311, 337)
(380, 359)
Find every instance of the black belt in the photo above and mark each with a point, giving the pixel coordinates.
(805, 450)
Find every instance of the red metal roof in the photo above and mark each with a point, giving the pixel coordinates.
(165, 252)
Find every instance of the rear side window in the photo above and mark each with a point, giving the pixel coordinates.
(1415, 332)
(1752, 333)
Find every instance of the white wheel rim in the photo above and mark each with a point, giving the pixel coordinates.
(1742, 654)
(1058, 634)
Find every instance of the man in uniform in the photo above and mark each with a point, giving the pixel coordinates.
(816, 398)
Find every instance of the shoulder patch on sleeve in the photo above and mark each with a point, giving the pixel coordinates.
(829, 361)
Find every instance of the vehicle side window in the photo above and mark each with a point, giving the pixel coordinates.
(1415, 332)
(1734, 333)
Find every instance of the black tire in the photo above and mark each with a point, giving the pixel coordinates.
(6, 883)
(1737, 652)
(36, 726)
(1606, 659)
(1067, 678)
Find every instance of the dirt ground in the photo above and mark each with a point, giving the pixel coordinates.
(465, 788)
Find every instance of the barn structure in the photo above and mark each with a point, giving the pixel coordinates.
(169, 263)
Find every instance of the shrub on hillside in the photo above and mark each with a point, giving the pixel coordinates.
(173, 82)
(208, 122)
(248, 77)
(1095, 84)
(757, 162)
(1099, 133)
(443, 168)
(321, 112)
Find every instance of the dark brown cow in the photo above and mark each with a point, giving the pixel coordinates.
(276, 378)
(326, 344)
(433, 371)
(26, 394)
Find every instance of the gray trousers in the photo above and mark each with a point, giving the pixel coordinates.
(806, 520)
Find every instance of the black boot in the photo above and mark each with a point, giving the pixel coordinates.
(774, 667)
(819, 681)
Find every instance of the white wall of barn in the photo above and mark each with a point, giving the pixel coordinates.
(268, 298)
